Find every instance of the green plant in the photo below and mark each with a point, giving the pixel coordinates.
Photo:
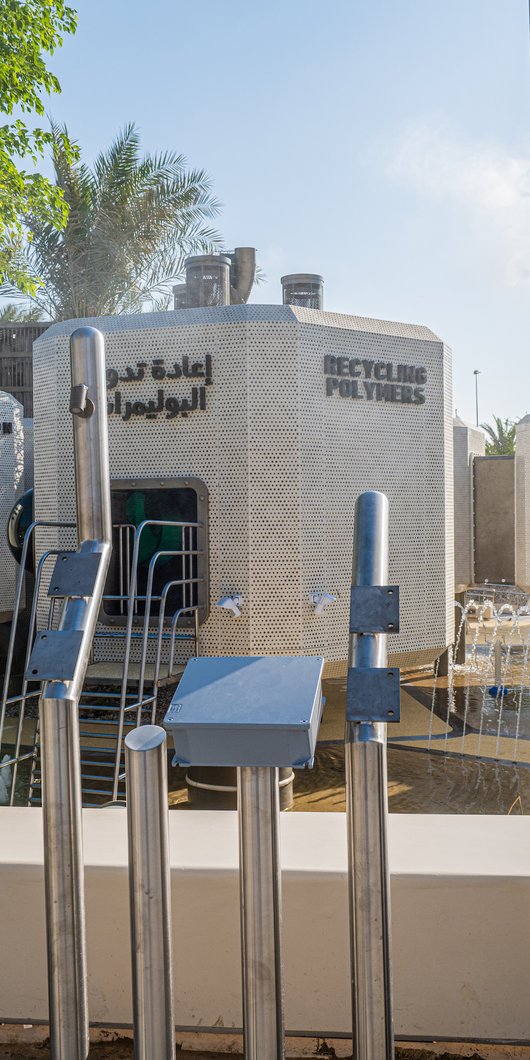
(29, 29)
(132, 220)
(501, 437)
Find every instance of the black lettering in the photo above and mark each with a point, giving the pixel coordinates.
(419, 395)
(379, 391)
(405, 373)
(368, 365)
(379, 370)
(354, 367)
(331, 386)
(406, 395)
(355, 389)
(330, 364)
(369, 389)
(345, 388)
(420, 375)
(390, 373)
(342, 366)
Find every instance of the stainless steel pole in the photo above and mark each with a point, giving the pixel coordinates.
(150, 893)
(367, 812)
(63, 842)
(260, 892)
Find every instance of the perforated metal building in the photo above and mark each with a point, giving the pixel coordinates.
(11, 485)
(284, 415)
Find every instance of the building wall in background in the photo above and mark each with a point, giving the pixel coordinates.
(494, 492)
(16, 361)
(468, 442)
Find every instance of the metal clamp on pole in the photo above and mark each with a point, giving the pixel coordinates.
(372, 699)
(60, 660)
(150, 893)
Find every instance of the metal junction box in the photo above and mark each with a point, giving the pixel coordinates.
(247, 711)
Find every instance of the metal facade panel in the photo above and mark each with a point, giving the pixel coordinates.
(11, 486)
(283, 464)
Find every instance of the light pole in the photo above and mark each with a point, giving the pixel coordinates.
(476, 373)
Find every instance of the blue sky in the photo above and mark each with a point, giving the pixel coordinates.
(382, 143)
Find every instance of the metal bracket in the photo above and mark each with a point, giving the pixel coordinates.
(80, 404)
(372, 694)
(374, 609)
(54, 655)
(74, 574)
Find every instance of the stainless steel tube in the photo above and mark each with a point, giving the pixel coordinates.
(63, 843)
(260, 892)
(150, 893)
(367, 812)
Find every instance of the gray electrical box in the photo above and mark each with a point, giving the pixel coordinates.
(247, 711)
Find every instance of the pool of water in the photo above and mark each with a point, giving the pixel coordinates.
(500, 714)
(421, 781)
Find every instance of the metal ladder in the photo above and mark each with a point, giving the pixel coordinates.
(118, 694)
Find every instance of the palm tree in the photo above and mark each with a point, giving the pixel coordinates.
(132, 220)
(20, 314)
(502, 437)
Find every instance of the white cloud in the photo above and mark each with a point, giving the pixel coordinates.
(492, 186)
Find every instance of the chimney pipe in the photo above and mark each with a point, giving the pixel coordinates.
(304, 289)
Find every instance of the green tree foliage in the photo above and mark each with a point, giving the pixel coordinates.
(132, 220)
(19, 314)
(501, 437)
(29, 31)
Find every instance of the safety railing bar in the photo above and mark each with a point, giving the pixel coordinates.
(162, 553)
(16, 611)
(13, 761)
(131, 605)
(175, 636)
(116, 635)
(31, 634)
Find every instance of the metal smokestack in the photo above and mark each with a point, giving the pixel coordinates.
(180, 296)
(207, 280)
(304, 289)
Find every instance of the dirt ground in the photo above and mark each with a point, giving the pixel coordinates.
(123, 1050)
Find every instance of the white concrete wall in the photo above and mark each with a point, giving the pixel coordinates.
(468, 442)
(460, 905)
(522, 504)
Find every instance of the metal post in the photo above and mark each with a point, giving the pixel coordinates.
(367, 811)
(476, 373)
(63, 845)
(150, 893)
(260, 893)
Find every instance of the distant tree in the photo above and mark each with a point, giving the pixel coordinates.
(19, 314)
(501, 437)
(131, 222)
(29, 30)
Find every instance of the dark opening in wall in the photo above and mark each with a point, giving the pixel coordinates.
(180, 571)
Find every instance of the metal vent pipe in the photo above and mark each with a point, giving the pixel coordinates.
(207, 280)
(304, 289)
(180, 296)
